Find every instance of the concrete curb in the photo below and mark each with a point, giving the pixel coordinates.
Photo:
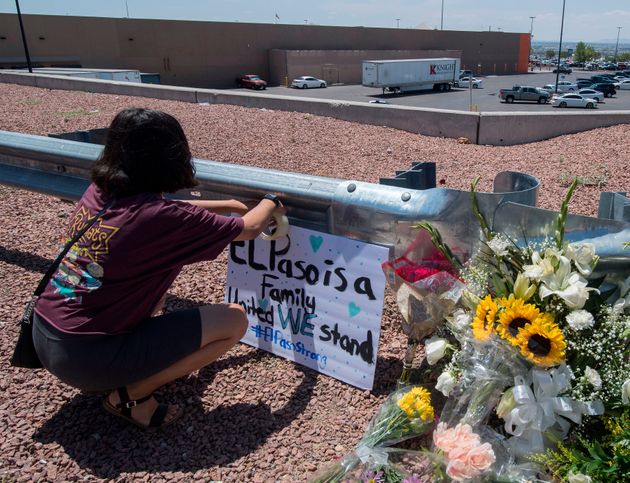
(496, 128)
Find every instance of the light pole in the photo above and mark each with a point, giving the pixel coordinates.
(127, 7)
(560, 46)
(28, 56)
(617, 44)
(531, 31)
(397, 23)
(442, 18)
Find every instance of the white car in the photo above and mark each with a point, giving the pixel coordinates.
(592, 93)
(573, 100)
(623, 85)
(465, 82)
(563, 86)
(306, 82)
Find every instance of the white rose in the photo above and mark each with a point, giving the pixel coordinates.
(580, 319)
(435, 348)
(445, 383)
(583, 255)
(461, 319)
(625, 392)
(578, 478)
(593, 377)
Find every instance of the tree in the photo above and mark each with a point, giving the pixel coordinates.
(624, 57)
(584, 52)
(550, 53)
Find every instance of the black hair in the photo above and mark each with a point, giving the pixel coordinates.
(145, 151)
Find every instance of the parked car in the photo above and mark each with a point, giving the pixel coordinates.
(606, 87)
(563, 70)
(624, 85)
(603, 78)
(251, 81)
(593, 94)
(573, 100)
(305, 82)
(524, 93)
(582, 83)
(465, 82)
(563, 86)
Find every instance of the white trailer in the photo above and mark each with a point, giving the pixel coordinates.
(406, 75)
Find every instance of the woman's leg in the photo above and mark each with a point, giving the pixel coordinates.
(222, 326)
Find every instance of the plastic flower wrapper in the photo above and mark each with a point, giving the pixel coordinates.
(406, 413)
(484, 373)
(382, 465)
(427, 289)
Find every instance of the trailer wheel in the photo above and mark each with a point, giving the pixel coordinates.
(448, 87)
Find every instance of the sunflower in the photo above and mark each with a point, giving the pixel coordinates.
(516, 315)
(542, 341)
(483, 323)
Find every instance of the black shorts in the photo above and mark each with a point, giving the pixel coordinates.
(95, 362)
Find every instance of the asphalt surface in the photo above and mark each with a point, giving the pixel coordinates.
(486, 98)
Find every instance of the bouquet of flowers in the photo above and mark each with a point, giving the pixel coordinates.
(391, 465)
(405, 414)
(427, 288)
(538, 346)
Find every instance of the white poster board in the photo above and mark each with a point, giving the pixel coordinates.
(313, 298)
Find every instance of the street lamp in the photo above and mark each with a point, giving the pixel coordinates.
(617, 45)
(397, 23)
(442, 18)
(560, 46)
(531, 31)
(28, 56)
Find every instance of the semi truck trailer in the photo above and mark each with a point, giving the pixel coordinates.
(405, 75)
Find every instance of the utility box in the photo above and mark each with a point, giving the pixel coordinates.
(411, 74)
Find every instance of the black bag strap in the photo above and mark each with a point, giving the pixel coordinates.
(53, 267)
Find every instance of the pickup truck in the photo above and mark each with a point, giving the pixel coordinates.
(524, 93)
(252, 81)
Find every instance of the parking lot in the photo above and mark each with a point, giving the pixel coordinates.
(486, 98)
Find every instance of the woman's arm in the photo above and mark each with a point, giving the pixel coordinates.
(221, 207)
(258, 218)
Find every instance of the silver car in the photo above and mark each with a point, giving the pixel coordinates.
(306, 82)
(592, 93)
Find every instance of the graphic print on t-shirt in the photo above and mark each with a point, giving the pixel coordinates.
(80, 267)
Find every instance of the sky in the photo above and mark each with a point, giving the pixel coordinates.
(585, 20)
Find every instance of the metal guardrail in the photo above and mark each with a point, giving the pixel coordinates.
(353, 209)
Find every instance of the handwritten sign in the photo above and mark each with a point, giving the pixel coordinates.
(313, 298)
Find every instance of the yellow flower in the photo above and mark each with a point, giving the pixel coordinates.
(483, 323)
(542, 341)
(516, 315)
(416, 403)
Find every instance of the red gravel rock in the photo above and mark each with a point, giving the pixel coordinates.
(250, 416)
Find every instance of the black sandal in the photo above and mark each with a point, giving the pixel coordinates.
(123, 410)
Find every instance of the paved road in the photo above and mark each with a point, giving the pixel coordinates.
(458, 99)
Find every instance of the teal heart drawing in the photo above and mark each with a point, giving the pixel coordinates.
(263, 303)
(316, 242)
(353, 309)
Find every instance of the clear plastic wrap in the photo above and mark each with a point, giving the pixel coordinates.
(383, 465)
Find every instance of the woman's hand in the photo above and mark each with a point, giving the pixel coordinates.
(259, 218)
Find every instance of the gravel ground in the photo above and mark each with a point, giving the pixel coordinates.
(250, 416)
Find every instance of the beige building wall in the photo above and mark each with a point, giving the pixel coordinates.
(337, 66)
(213, 54)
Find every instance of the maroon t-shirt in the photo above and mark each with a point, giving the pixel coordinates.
(118, 271)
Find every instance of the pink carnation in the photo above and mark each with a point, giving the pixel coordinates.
(466, 456)
(481, 457)
(459, 470)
